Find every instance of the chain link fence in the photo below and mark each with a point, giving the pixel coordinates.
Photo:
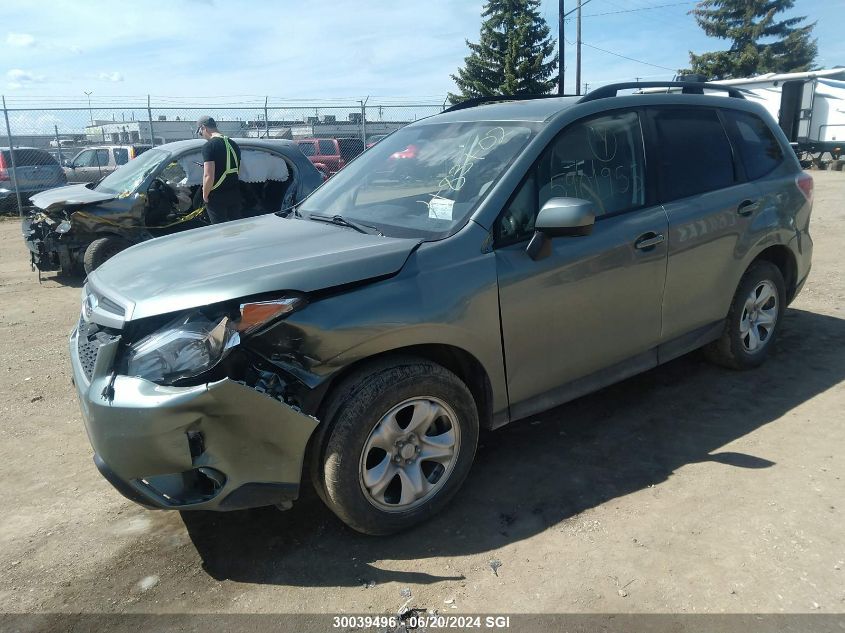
(46, 147)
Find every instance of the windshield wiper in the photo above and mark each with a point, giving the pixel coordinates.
(342, 221)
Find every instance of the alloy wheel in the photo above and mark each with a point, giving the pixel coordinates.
(409, 454)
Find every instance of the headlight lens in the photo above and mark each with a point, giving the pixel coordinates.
(64, 227)
(185, 347)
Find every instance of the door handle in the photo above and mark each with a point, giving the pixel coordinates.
(747, 207)
(648, 240)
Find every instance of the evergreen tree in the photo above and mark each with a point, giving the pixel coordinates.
(760, 43)
(514, 54)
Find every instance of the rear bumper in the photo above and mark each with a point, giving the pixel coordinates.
(219, 446)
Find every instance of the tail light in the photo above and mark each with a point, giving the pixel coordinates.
(4, 173)
(805, 184)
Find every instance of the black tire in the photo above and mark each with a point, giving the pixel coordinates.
(730, 350)
(354, 410)
(102, 249)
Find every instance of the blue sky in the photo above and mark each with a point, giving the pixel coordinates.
(195, 49)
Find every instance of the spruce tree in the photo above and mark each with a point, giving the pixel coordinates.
(514, 54)
(760, 43)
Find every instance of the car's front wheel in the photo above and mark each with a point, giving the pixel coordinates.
(399, 444)
(101, 250)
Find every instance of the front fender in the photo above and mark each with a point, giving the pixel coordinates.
(437, 299)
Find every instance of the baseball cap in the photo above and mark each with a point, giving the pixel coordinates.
(206, 121)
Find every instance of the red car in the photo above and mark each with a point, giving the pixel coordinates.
(329, 155)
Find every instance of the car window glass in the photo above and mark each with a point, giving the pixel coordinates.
(102, 158)
(424, 180)
(758, 148)
(121, 155)
(84, 158)
(517, 220)
(327, 148)
(600, 160)
(307, 148)
(693, 152)
(32, 157)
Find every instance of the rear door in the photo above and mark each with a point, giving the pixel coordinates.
(710, 206)
(593, 303)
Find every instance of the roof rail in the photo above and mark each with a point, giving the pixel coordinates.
(687, 87)
(477, 101)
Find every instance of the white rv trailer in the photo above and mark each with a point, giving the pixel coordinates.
(809, 106)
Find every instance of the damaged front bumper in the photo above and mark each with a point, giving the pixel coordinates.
(217, 446)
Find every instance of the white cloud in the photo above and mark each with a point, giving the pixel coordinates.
(20, 76)
(113, 77)
(20, 40)
(76, 50)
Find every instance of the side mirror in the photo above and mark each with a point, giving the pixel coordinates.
(566, 217)
(560, 217)
(69, 163)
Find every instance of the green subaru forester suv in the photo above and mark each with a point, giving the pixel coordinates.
(471, 269)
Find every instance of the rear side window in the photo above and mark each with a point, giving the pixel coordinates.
(693, 152)
(121, 155)
(758, 148)
(307, 148)
(29, 158)
(327, 148)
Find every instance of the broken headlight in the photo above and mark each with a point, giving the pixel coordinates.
(192, 344)
(185, 347)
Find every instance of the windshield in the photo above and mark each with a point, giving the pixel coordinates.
(423, 180)
(125, 180)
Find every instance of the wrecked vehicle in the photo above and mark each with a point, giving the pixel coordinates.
(524, 257)
(158, 193)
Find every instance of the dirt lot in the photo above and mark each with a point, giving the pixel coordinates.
(686, 489)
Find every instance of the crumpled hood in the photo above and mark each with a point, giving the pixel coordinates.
(57, 198)
(238, 259)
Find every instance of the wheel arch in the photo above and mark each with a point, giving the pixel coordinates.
(457, 360)
(782, 257)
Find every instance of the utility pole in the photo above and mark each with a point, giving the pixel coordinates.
(561, 40)
(578, 52)
(90, 112)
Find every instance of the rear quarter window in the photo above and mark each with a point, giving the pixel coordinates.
(758, 148)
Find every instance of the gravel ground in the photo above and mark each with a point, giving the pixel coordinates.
(688, 489)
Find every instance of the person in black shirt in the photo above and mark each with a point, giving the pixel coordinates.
(221, 160)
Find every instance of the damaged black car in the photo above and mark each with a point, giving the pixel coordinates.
(158, 193)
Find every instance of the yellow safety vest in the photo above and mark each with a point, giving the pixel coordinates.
(231, 157)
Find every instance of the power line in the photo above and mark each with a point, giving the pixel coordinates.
(632, 59)
(656, 6)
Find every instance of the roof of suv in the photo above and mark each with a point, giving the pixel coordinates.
(544, 108)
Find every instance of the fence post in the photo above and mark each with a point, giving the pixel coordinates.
(12, 158)
(150, 116)
(364, 120)
(59, 145)
(266, 120)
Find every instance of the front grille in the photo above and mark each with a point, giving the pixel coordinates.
(91, 337)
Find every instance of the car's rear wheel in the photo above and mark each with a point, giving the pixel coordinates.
(399, 445)
(102, 249)
(753, 321)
